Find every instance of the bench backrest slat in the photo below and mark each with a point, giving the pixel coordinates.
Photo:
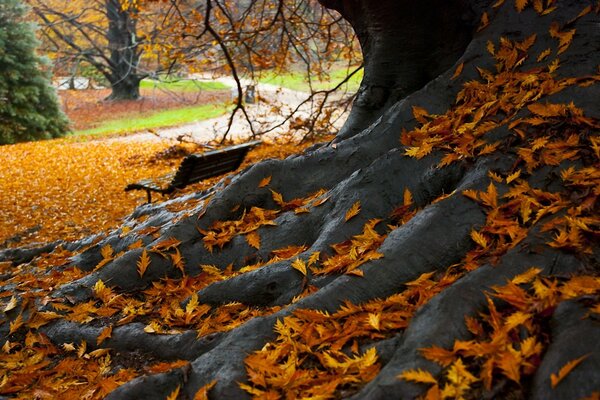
(197, 167)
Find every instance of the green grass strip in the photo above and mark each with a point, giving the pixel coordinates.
(160, 119)
(298, 81)
(183, 85)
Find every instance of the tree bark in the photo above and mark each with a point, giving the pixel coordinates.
(372, 167)
(124, 61)
(405, 44)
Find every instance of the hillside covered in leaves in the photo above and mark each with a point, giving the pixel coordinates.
(449, 251)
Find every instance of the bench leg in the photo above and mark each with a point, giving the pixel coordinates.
(149, 193)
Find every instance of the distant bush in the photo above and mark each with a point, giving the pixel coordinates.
(29, 108)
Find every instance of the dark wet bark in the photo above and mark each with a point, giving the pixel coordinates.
(124, 76)
(405, 45)
(366, 165)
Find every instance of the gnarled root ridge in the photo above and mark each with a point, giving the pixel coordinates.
(449, 249)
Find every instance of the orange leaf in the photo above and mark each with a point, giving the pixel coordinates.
(408, 198)
(264, 182)
(105, 334)
(178, 262)
(514, 176)
(16, 324)
(458, 71)
(521, 4)
(420, 113)
(202, 394)
(143, 263)
(439, 355)
(353, 211)
(174, 394)
(417, 375)
(565, 370)
(170, 243)
(253, 239)
(479, 239)
(278, 198)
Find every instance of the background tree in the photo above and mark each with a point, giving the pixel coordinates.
(447, 250)
(28, 105)
(104, 35)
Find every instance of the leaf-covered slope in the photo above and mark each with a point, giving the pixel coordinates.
(448, 251)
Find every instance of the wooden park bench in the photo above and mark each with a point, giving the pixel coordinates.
(195, 168)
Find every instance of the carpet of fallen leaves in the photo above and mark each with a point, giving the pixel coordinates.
(66, 189)
(86, 108)
(323, 355)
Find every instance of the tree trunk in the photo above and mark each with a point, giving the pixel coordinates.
(430, 203)
(405, 45)
(124, 57)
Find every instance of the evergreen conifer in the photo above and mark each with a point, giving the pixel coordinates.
(29, 108)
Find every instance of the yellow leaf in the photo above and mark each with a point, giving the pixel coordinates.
(374, 320)
(107, 252)
(178, 262)
(458, 71)
(264, 182)
(253, 239)
(565, 370)
(68, 347)
(81, 349)
(543, 55)
(491, 48)
(527, 276)
(299, 265)
(143, 263)
(514, 176)
(12, 303)
(353, 211)
(153, 327)
(16, 324)
(479, 239)
(418, 376)
(105, 334)
(314, 257)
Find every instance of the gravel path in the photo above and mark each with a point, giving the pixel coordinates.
(273, 105)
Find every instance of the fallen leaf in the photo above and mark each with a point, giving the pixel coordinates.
(353, 211)
(105, 334)
(143, 263)
(264, 182)
(300, 266)
(565, 370)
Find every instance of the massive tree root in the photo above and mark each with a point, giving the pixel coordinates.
(446, 247)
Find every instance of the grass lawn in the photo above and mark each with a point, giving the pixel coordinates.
(159, 119)
(297, 80)
(182, 85)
